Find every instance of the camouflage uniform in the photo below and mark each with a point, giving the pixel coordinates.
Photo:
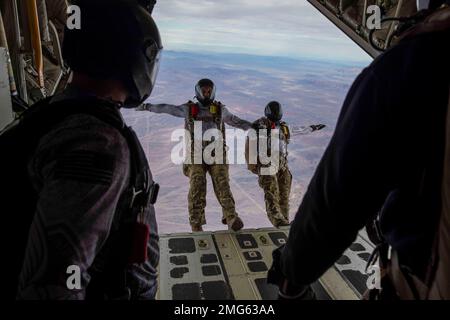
(197, 172)
(197, 191)
(277, 187)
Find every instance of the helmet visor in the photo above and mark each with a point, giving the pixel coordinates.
(205, 90)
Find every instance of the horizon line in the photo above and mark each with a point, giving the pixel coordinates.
(302, 58)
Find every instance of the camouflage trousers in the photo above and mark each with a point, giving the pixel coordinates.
(197, 191)
(277, 188)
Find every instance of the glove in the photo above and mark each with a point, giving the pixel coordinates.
(275, 275)
(143, 107)
(317, 127)
(286, 291)
(256, 126)
(291, 292)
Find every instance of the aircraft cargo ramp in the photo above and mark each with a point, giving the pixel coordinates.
(233, 266)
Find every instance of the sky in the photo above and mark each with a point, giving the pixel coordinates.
(285, 28)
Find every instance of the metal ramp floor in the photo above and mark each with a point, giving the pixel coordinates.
(226, 265)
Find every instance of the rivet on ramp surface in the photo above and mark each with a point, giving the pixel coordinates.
(203, 244)
(263, 239)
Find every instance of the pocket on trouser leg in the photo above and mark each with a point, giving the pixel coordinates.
(221, 183)
(284, 185)
(197, 196)
(196, 212)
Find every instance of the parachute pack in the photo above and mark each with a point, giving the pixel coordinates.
(268, 125)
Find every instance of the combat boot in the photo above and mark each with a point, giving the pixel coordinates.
(197, 228)
(282, 223)
(235, 224)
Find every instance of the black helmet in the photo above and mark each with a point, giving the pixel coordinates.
(148, 4)
(118, 40)
(274, 111)
(198, 91)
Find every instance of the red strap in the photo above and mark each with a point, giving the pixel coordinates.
(273, 125)
(194, 110)
(141, 235)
